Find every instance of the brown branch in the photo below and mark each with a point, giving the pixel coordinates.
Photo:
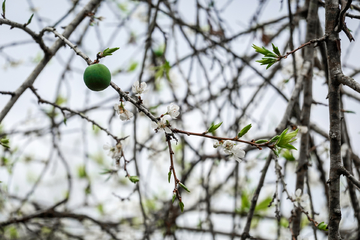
(345, 5)
(80, 114)
(294, 97)
(323, 38)
(252, 143)
(52, 213)
(70, 44)
(36, 37)
(7, 93)
(348, 81)
(349, 176)
(301, 170)
(334, 63)
(52, 51)
(245, 233)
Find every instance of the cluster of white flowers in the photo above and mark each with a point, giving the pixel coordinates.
(139, 89)
(115, 152)
(234, 150)
(163, 124)
(124, 114)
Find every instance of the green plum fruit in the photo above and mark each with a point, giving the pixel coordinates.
(97, 77)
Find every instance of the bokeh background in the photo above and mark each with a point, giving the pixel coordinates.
(213, 78)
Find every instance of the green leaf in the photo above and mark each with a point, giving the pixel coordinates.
(277, 152)
(159, 52)
(173, 198)
(60, 100)
(134, 179)
(282, 134)
(261, 141)
(275, 138)
(181, 205)
(169, 176)
(13, 232)
(123, 7)
(29, 21)
(284, 222)
(88, 189)
(276, 50)
(285, 139)
(65, 121)
(100, 208)
(161, 70)
(268, 60)
(159, 73)
(322, 226)
(132, 67)
(269, 65)
(213, 127)
(167, 68)
(288, 156)
(108, 51)
(264, 51)
(244, 130)
(82, 171)
(259, 49)
(265, 61)
(269, 57)
(184, 187)
(245, 203)
(263, 205)
(291, 135)
(4, 142)
(105, 171)
(289, 146)
(96, 130)
(3, 8)
(348, 111)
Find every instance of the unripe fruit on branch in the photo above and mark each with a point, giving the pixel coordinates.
(97, 77)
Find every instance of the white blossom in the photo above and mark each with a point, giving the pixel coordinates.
(114, 151)
(118, 107)
(301, 199)
(162, 125)
(173, 110)
(139, 89)
(303, 129)
(217, 144)
(235, 151)
(228, 146)
(124, 114)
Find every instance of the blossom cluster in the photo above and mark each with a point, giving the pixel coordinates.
(163, 123)
(139, 89)
(234, 150)
(123, 113)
